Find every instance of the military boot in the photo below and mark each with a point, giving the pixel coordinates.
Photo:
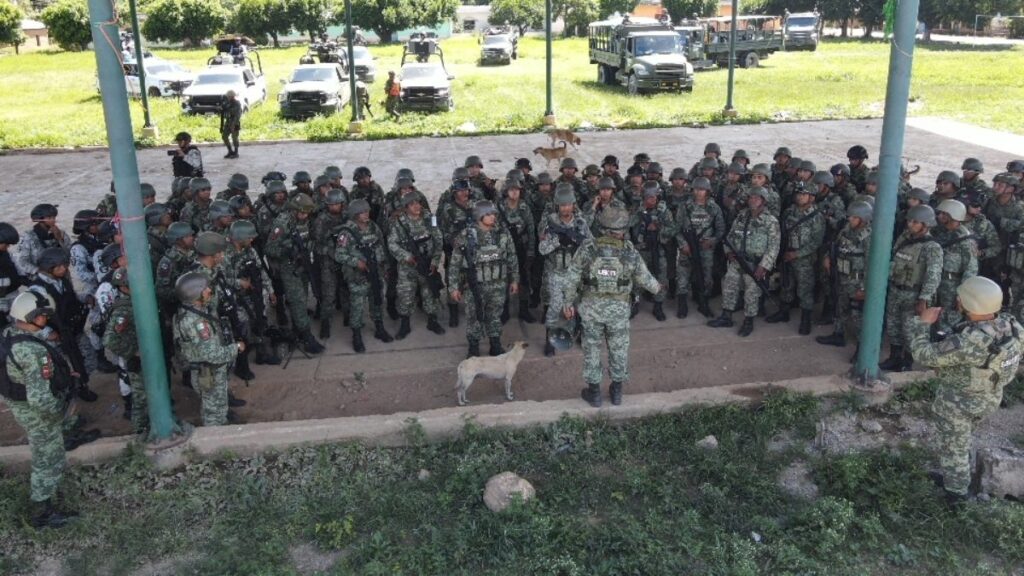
(592, 395)
(325, 328)
(659, 312)
(102, 364)
(827, 313)
(235, 402)
(357, 341)
(723, 321)
(85, 394)
(380, 333)
(895, 359)
(615, 393)
(747, 327)
(474, 349)
(782, 315)
(524, 312)
(127, 414)
(805, 322)
(702, 305)
(634, 309)
(49, 516)
(837, 338)
(311, 344)
(908, 361)
(496, 349)
(242, 369)
(392, 306)
(453, 315)
(403, 329)
(433, 325)
(77, 438)
(682, 307)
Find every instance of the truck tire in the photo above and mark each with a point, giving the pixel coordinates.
(632, 86)
(154, 92)
(602, 74)
(751, 60)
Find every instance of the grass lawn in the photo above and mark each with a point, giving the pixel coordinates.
(637, 498)
(50, 100)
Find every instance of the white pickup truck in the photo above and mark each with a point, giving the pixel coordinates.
(210, 86)
(163, 77)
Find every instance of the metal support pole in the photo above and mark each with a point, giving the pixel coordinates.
(357, 113)
(129, 205)
(549, 110)
(901, 57)
(729, 110)
(137, 38)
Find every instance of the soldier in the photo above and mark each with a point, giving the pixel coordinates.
(44, 234)
(529, 180)
(562, 234)
(325, 229)
(417, 246)
(219, 217)
(947, 187)
(321, 185)
(206, 346)
(914, 277)
(1004, 210)
(641, 160)
(181, 194)
(779, 169)
(568, 175)
(274, 206)
(121, 338)
(633, 193)
(601, 279)
(843, 186)
(959, 258)
(365, 188)
(187, 161)
(230, 123)
(335, 175)
(760, 176)
(360, 251)
(39, 386)
(972, 366)
(678, 192)
(916, 197)
(238, 185)
(10, 279)
(483, 273)
(108, 206)
(515, 215)
(174, 263)
(196, 211)
(478, 181)
(591, 176)
(712, 151)
(731, 186)
(986, 238)
(972, 182)
(607, 195)
(851, 253)
(158, 218)
(740, 157)
(87, 244)
(803, 230)
(148, 194)
(392, 94)
(701, 226)
(610, 169)
(456, 217)
(288, 248)
(303, 184)
(243, 263)
(651, 228)
(833, 209)
(242, 209)
(754, 237)
(655, 173)
(858, 169)
(710, 169)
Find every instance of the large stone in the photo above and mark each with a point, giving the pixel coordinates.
(501, 488)
(708, 443)
(1001, 471)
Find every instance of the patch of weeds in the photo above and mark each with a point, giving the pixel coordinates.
(334, 534)
(917, 391)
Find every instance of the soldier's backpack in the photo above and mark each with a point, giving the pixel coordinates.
(1004, 355)
(60, 381)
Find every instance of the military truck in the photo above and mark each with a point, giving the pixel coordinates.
(802, 31)
(706, 41)
(642, 54)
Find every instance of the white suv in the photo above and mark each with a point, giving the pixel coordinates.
(314, 89)
(208, 91)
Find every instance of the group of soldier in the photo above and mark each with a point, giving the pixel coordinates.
(581, 247)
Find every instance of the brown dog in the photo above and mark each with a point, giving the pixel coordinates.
(551, 154)
(565, 135)
(497, 367)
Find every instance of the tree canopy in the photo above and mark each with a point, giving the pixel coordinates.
(524, 14)
(262, 18)
(385, 17)
(10, 24)
(184, 20)
(68, 24)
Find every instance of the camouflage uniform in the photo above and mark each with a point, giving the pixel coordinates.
(283, 251)
(174, 263)
(121, 338)
(196, 213)
(209, 353)
(403, 234)
(558, 251)
(666, 230)
(759, 236)
(986, 239)
(804, 233)
(851, 263)
(708, 224)
(914, 275)
(373, 194)
(348, 251)
(32, 244)
(325, 230)
(959, 262)
(859, 176)
(496, 269)
(519, 222)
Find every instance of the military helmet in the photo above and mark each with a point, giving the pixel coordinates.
(641, 157)
(1015, 166)
(980, 295)
(119, 279)
(634, 170)
(190, 286)
(210, 243)
(708, 164)
(651, 189)
(51, 258)
(822, 177)
(272, 176)
(920, 194)
(613, 218)
(679, 174)
(610, 159)
(865, 198)
(335, 196)
(808, 166)
(654, 168)
(544, 178)
(112, 252)
(8, 234)
(177, 231)
(737, 168)
(483, 208)
(409, 199)
(974, 199)
(321, 180)
(955, 208)
(333, 172)
(794, 163)
(155, 212)
(30, 304)
(840, 170)
(701, 183)
(362, 172)
(403, 183)
(515, 174)
(242, 230)
(357, 207)
(198, 184)
(740, 154)
(762, 169)
(512, 183)
(922, 213)
(564, 194)
(782, 151)
(857, 152)
(405, 173)
(524, 163)
(238, 182)
(460, 185)
(1007, 178)
(861, 209)
(301, 176)
(713, 148)
(238, 202)
(568, 163)
(179, 185)
(460, 173)
(43, 211)
(872, 177)
(147, 190)
(595, 170)
(606, 183)
(948, 176)
(973, 164)
(473, 161)
(756, 191)
(302, 203)
(276, 187)
(83, 220)
(220, 209)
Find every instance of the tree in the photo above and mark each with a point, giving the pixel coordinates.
(606, 8)
(68, 24)
(261, 18)
(679, 9)
(188, 21)
(524, 14)
(10, 25)
(311, 16)
(841, 11)
(576, 14)
(385, 17)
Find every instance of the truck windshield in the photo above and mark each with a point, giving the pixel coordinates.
(645, 45)
(495, 40)
(206, 79)
(313, 74)
(802, 22)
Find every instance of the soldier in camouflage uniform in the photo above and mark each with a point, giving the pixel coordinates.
(173, 264)
(219, 217)
(606, 196)
(303, 184)
(803, 230)
(238, 185)
(972, 168)
(916, 197)
(242, 209)
(678, 190)
(482, 185)
(731, 186)
(485, 250)
(274, 206)
(651, 228)
(515, 215)
(858, 168)
(361, 251)
(633, 193)
(755, 233)
(1006, 213)
(365, 188)
(844, 188)
(158, 218)
(591, 177)
(568, 169)
(601, 278)
(914, 277)
(959, 258)
(454, 217)
(289, 249)
(562, 234)
(196, 211)
(852, 247)
(334, 174)
(45, 233)
(242, 262)
(610, 169)
(655, 173)
(700, 220)
(325, 229)
(972, 366)
(417, 247)
(780, 166)
(712, 153)
(107, 207)
(760, 176)
(529, 180)
(947, 187)
(121, 338)
(833, 209)
(181, 194)
(986, 238)
(205, 345)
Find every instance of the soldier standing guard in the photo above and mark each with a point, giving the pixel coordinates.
(416, 245)
(361, 251)
(230, 123)
(851, 256)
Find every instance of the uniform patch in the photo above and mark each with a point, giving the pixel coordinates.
(204, 330)
(47, 369)
(164, 269)
(121, 325)
(277, 233)
(343, 240)
(951, 344)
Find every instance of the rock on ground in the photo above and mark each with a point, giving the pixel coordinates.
(502, 487)
(708, 443)
(1001, 471)
(796, 481)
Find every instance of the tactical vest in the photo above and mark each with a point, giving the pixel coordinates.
(60, 380)
(490, 261)
(907, 267)
(1004, 353)
(850, 257)
(608, 276)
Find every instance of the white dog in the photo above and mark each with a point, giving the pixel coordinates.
(503, 366)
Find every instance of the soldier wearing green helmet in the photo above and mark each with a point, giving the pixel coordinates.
(175, 262)
(158, 218)
(780, 167)
(303, 184)
(852, 246)
(515, 215)
(568, 175)
(803, 228)
(243, 263)
(238, 185)
(335, 175)
(563, 232)
(833, 208)
(652, 230)
(364, 187)
(219, 217)
(416, 246)
(273, 206)
(325, 228)
(959, 257)
(986, 237)
(947, 187)
(859, 169)
(196, 211)
(972, 182)
(701, 225)
(760, 177)
(361, 251)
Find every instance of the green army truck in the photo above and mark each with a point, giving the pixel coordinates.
(706, 41)
(642, 54)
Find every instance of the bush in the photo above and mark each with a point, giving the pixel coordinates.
(68, 24)
(188, 21)
(1017, 28)
(10, 24)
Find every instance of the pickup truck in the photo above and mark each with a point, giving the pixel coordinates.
(208, 90)
(314, 89)
(426, 86)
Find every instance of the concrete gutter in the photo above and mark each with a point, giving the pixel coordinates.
(438, 424)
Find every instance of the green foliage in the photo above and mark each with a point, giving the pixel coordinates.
(608, 7)
(385, 17)
(1017, 28)
(261, 18)
(524, 14)
(189, 21)
(679, 9)
(10, 24)
(68, 23)
(311, 16)
(577, 14)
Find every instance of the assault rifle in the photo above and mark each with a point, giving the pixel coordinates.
(416, 248)
(520, 245)
(304, 261)
(748, 269)
(652, 240)
(372, 265)
(697, 265)
(472, 278)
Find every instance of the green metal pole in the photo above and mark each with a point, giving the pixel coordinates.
(549, 110)
(732, 56)
(901, 57)
(137, 37)
(357, 113)
(129, 206)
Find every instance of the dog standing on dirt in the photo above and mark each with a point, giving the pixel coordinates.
(496, 367)
(551, 154)
(565, 135)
